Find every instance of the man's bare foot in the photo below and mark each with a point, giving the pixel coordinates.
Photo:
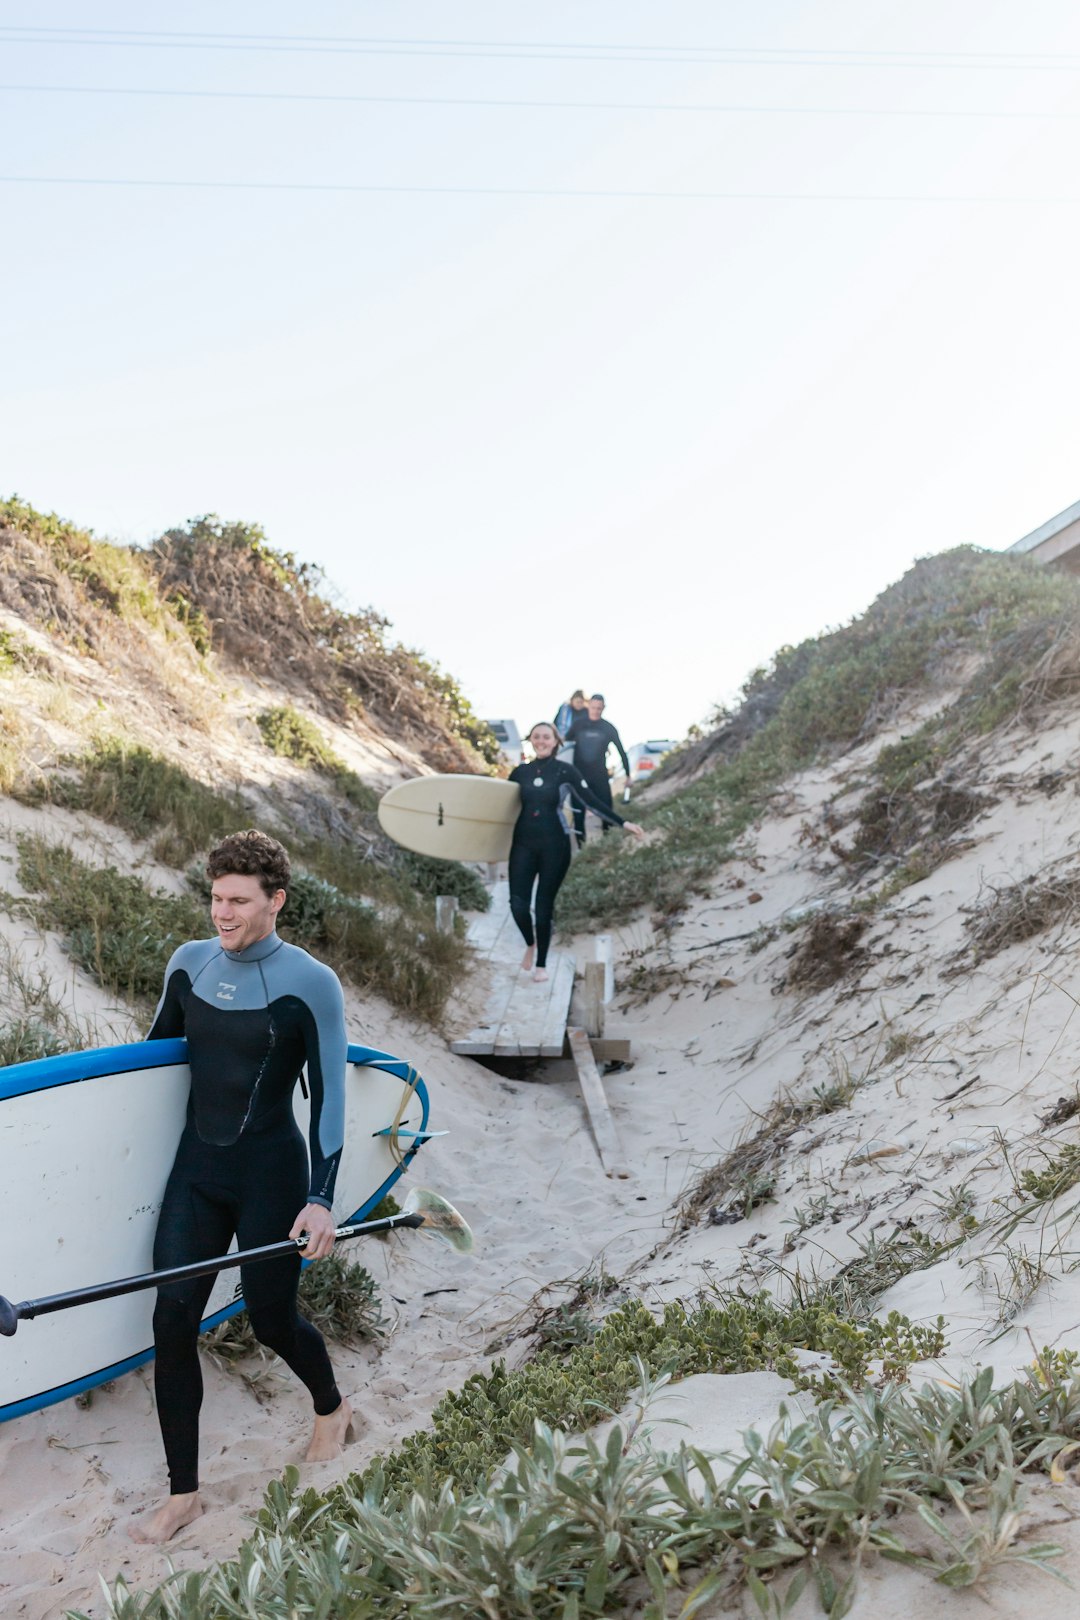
(330, 1434)
(161, 1525)
(540, 975)
(528, 959)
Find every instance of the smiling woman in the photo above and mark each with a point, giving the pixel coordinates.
(540, 852)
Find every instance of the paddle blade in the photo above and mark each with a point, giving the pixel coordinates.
(440, 1217)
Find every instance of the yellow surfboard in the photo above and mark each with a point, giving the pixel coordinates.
(455, 818)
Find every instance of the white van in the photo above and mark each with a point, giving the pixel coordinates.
(645, 757)
(509, 740)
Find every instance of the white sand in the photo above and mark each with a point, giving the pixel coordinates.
(709, 1056)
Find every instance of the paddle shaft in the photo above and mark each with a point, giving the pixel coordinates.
(11, 1315)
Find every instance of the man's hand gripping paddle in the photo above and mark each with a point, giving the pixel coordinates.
(423, 1211)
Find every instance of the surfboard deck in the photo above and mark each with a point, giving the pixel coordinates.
(454, 818)
(87, 1140)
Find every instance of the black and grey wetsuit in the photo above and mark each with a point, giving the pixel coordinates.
(253, 1019)
(591, 740)
(540, 852)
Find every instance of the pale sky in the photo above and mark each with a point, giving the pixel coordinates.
(624, 394)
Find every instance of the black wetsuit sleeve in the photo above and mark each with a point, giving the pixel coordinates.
(584, 794)
(327, 1056)
(169, 1016)
(617, 740)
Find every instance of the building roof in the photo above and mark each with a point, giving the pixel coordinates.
(1047, 530)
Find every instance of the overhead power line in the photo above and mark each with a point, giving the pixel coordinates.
(528, 104)
(584, 193)
(345, 45)
(70, 32)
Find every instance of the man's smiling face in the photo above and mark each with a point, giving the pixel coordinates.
(242, 911)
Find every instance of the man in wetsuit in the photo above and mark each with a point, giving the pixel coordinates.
(255, 1011)
(592, 736)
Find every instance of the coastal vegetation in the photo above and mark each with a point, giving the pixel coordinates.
(216, 597)
(572, 1528)
(279, 618)
(373, 919)
(492, 1506)
(996, 636)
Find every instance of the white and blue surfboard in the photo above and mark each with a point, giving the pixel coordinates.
(87, 1140)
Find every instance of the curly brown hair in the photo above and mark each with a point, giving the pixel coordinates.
(251, 854)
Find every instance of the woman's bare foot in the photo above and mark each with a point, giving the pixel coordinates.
(164, 1523)
(330, 1434)
(540, 975)
(528, 959)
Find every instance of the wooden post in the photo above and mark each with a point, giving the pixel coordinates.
(593, 999)
(604, 954)
(445, 912)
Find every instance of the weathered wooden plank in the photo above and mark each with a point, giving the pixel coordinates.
(553, 1029)
(508, 1044)
(596, 1105)
(605, 1051)
(520, 1018)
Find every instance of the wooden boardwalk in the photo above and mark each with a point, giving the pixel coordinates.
(521, 1018)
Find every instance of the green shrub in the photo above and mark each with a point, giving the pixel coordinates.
(112, 924)
(17, 653)
(115, 577)
(430, 876)
(148, 796)
(577, 1530)
(24, 1039)
(292, 735)
(1060, 1172)
(471, 1430)
(337, 1296)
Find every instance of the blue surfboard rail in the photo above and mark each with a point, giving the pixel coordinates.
(69, 1068)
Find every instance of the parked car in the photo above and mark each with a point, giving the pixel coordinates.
(645, 758)
(509, 740)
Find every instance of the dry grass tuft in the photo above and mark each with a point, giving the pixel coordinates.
(915, 824)
(829, 951)
(1018, 912)
(750, 1162)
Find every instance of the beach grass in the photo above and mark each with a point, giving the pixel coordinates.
(997, 635)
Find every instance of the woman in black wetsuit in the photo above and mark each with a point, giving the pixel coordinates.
(540, 852)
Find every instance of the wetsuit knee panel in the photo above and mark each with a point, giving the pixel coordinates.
(177, 1315)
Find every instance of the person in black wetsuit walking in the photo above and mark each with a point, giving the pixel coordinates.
(592, 736)
(255, 1011)
(540, 852)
